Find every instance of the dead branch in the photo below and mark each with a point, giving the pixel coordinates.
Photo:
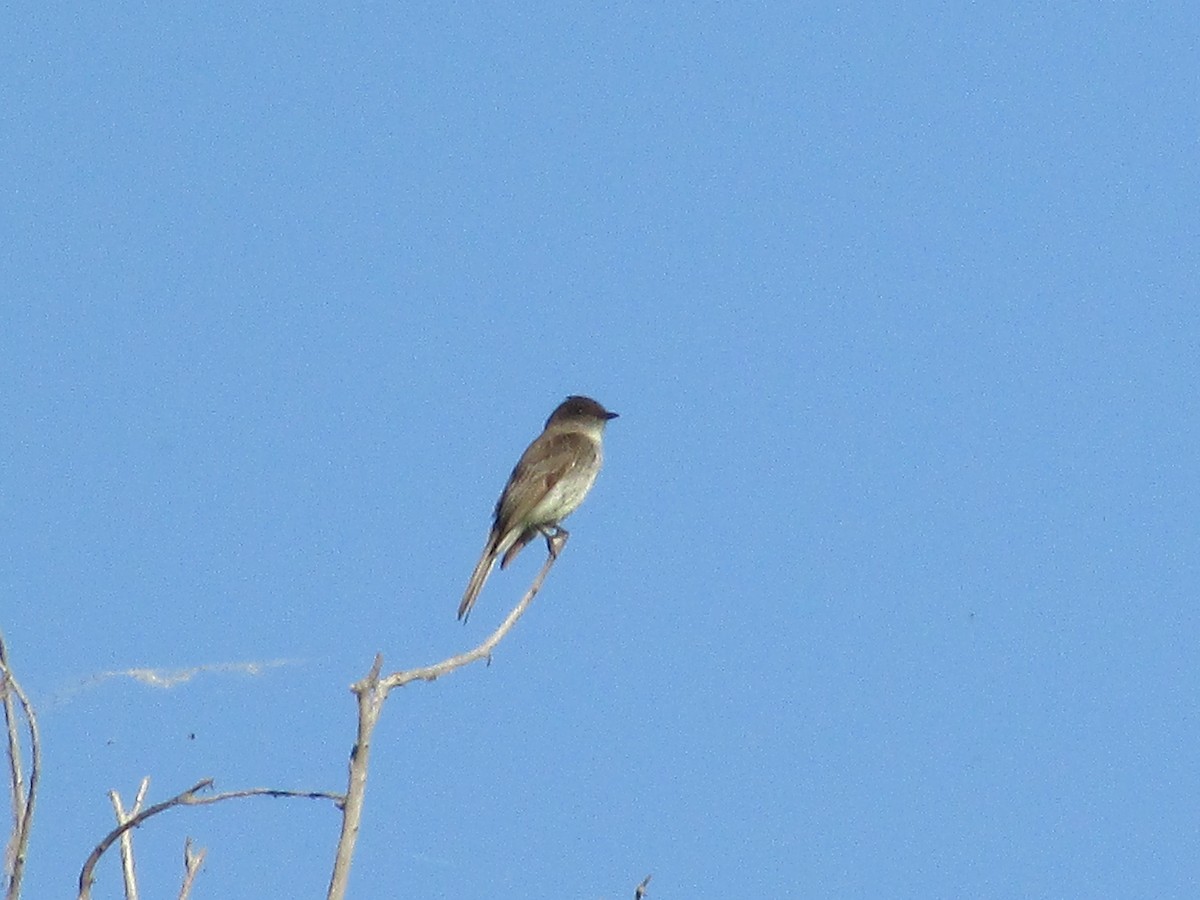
(24, 795)
(190, 797)
(191, 865)
(372, 691)
(131, 889)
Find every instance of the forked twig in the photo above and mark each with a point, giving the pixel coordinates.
(131, 889)
(372, 690)
(191, 865)
(190, 797)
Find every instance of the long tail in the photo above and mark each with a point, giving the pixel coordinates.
(479, 577)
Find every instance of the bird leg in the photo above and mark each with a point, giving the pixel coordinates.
(556, 538)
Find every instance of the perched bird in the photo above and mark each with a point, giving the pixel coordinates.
(549, 482)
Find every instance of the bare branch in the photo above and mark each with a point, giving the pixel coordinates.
(24, 796)
(189, 797)
(191, 866)
(16, 770)
(370, 701)
(372, 691)
(484, 650)
(131, 889)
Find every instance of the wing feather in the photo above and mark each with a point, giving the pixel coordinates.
(539, 469)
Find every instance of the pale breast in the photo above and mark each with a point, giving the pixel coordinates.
(566, 495)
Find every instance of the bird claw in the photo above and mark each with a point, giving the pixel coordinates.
(556, 538)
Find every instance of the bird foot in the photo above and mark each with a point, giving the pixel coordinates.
(556, 538)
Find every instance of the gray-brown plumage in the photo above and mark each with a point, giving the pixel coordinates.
(549, 482)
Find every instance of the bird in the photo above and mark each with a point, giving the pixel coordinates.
(549, 482)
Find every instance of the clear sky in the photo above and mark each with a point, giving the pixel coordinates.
(889, 586)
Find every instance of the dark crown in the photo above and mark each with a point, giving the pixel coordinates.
(579, 407)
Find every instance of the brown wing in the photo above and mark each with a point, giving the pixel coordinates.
(541, 466)
(519, 544)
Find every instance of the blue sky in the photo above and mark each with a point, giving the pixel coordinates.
(888, 588)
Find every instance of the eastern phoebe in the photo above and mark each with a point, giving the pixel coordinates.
(549, 482)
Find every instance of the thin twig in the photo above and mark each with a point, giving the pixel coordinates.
(188, 798)
(23, 800)
(371, 692)
(131, 889)
(16, 770)
(191, 866)
(484, 650)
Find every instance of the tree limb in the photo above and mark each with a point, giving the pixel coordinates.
(372, 691)
(189, 797)
(24, 796)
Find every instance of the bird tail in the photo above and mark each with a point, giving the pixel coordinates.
(479, 577)
(526, 536)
